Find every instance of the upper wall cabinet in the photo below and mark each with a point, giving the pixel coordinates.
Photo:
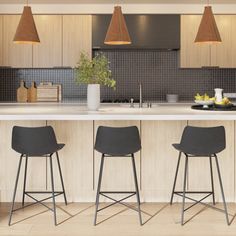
(1, 38)
(77, 38)
(49, 52)
(15, 55)
(222, 53)
(192, 55)
(216, 55)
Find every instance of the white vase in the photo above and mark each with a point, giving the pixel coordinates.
(93, 97)
(219, 94)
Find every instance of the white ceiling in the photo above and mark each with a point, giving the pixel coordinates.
(117, 1)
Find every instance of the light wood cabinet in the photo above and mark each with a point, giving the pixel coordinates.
(1, 39)
(192, 55)
(222, 53)
(76, 159)
(49, 52)
(159, 159)
(77, 38)
(199, 169)
(36, 175)
(15, 55)
(215, 55)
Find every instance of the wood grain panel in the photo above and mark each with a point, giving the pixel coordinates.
(233, 49)
(76, 159)
(192, 55)
(118, 172)
(9, 163)
(159, 158)
(77, 38)
(1, 40)
(49, 52)
(15, 55)
(199, 170)
(221, 54)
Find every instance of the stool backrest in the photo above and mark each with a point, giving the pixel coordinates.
(203, 141)
(33, 141)
(117, 141)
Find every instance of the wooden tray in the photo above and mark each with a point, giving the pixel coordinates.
(213, 108)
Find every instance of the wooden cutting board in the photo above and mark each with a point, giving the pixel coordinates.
(22, 95)
(47, 93)
(32, 93)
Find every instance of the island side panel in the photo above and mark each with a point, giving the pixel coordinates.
(159, 159)
(76, 159)
(36, 176)
(118, 172)
(199, 170)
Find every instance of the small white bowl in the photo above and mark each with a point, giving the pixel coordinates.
(205, 104)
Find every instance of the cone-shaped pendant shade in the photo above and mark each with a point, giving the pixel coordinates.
(117, 33)
(208, 31)
(26, 31)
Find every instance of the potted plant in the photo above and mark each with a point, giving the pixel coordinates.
(94, 72)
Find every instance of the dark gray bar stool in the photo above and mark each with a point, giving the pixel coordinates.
(40, 142)
(117, 142)
(200, 142)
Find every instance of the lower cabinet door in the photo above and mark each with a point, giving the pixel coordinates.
(159, 159)
(76, 159)
(9, 159)
(199, 169)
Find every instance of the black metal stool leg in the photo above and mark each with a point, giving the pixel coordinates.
(212, 182)
(53, 191)
(62, 182)
(184, 189)
(176, 175)
(25, 177)
(136, 188)
(14, 194)
(99, 188)
(222, 190)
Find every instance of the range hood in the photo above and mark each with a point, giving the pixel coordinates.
(146, 31)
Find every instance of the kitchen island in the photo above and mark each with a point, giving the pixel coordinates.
(159, 126)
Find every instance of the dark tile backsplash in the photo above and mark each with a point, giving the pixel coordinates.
(158, 71)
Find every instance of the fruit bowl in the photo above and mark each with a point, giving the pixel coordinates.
(205, 104)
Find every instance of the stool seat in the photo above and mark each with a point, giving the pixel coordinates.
(202, 141)
(35, 141)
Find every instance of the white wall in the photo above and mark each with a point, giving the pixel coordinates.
(108, 8)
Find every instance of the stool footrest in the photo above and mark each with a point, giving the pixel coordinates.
(193, 192)
(42, 192)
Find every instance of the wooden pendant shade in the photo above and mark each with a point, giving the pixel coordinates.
(26, 31)
(208, 31)
(117, 33)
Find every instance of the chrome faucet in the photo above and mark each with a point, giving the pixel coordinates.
(140, 96)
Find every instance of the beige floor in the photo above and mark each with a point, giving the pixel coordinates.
(77, 219)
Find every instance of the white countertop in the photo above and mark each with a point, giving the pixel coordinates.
(65, 111)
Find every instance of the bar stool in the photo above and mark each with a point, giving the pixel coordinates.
(200, 142)
(117, 142)
(40, 142)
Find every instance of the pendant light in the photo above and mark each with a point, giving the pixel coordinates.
(208, 31)
(117, 33)
(26, 31)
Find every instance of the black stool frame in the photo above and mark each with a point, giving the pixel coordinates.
(29, 193)
(208, 193)
(117, 142)
(104, 193)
